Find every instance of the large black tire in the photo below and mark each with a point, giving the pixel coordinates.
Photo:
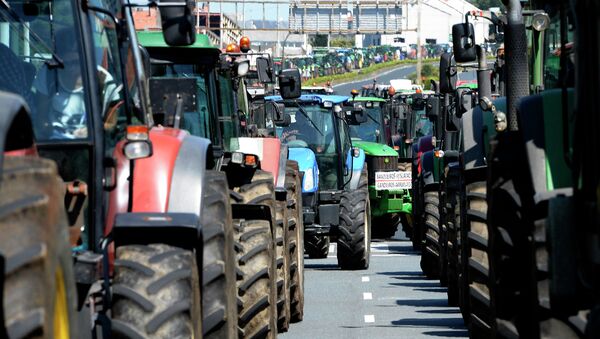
(260, 190)
(452, 216)
(481, 319)
(156, 291)
(354, 240)
(257, 279)
(430, 255)
(296, 241)
(39, 289)
(219, 302)
(385, 226)
(316, 246)
(283, 265)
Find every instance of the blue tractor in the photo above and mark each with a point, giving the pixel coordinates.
(334, 181)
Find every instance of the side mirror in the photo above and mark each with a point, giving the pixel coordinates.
(356, 116)
(178, 23)
(290, 83)
(433, 108)
(463, 42)
(264, 69)
(447, 74)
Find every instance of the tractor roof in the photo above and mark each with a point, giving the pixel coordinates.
(374, 99)
(320, 98)
(155, 39)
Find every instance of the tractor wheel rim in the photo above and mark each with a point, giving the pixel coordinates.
(61, 313)
(367, 229)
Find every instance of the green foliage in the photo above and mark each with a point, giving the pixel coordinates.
(428, 73)
(319, 40)
(342, 42)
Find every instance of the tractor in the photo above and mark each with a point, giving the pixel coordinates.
(134, 197)
(225, 115)
(334, 176)
(389, 180)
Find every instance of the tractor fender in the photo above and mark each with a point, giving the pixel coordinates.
(428, 168)
(16, 129)
(477, 130)
(270, 152)
(171, 180)
(357, 166)
(307, 163)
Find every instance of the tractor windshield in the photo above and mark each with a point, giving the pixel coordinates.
(197, 123)
(41, 62)
(372, 129)
(315, 127)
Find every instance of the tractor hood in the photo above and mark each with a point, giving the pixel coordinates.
(374, 149)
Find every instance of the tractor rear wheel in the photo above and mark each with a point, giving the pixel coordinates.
(296, 241)
(283, 265)
(156, 292)
(316, 246)
(39, 288)
(452, 247)
(481, 319)
(260, 190)
(256, 286)
(219, 304)
(430, 255)
(354, 240)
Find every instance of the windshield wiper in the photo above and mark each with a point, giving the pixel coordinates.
(307, 117)
(57, 61)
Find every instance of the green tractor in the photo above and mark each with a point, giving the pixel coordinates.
(389, 180)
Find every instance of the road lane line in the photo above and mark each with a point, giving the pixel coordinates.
(380, 248)
(369, 318)
(365, 279)
(367, 296)
(331, 248)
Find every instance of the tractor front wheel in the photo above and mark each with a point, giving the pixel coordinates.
(156, 292)
(354, 240)
(316, 246)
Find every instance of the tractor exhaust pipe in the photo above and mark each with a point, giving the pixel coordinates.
(517, 70)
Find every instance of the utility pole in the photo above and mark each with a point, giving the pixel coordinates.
(419, 56)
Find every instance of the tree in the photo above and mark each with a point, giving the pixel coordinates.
(319, 40)
(342, 42)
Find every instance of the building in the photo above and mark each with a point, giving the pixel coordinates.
(220, 28)
(437, 18)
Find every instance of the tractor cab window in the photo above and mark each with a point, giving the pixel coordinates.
(553, 50)
(313, 126)
(42, 62)
(373, 129)
(198, 123)
(227, 120)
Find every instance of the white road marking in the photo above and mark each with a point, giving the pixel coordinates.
(367, 296)
(380, 248)
(332, 248)
(390, 255)
(365, 279)
(369, 318)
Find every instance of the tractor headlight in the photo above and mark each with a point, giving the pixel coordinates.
(308, 179)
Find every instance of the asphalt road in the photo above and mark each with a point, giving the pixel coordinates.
(392, 299)
(383, 78)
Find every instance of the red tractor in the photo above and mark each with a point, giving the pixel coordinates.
(257, 169)
(143, 190)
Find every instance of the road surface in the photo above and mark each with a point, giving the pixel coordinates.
(392, 299)
(383, 78)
